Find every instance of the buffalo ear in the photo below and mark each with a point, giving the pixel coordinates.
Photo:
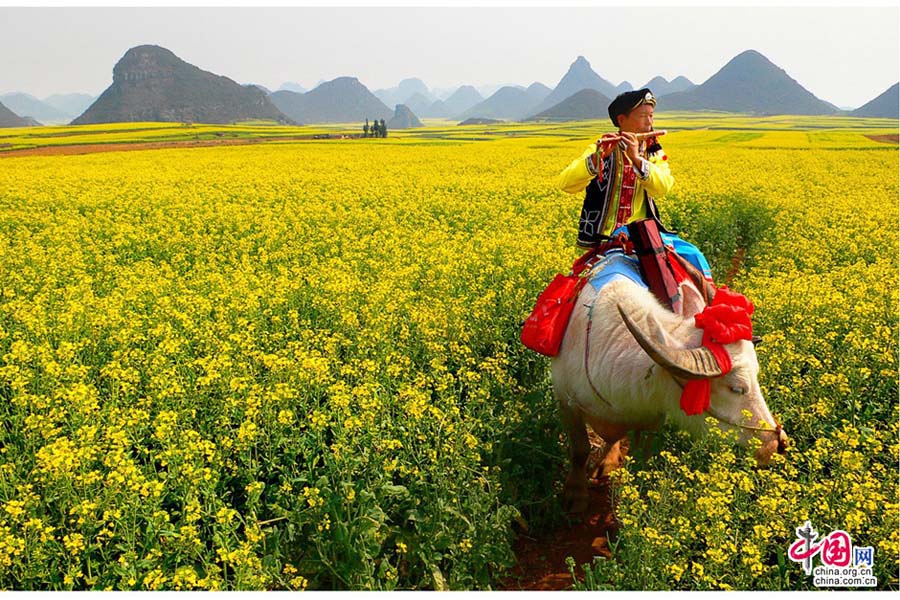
(756, 340)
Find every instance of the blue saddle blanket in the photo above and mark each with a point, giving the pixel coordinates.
(685, 249)
(614, 266)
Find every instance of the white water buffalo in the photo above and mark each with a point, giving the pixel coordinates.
(631, 376)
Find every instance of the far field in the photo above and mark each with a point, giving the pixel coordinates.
(745, 130)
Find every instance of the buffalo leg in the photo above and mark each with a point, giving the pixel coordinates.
(575, 490)
(611, 456)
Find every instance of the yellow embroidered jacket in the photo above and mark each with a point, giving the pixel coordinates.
(602, 195)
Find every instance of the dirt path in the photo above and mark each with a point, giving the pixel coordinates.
(542, 558)
(737, 261)
(890, 138)
(127, 147)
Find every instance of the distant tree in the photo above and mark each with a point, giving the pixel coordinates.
(383, 129)
(366, 128)
(375, 131)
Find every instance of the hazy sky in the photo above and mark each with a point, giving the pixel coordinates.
(843, 55)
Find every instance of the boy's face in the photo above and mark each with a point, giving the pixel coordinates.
(639, 120)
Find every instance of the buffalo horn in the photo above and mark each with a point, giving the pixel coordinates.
(686, 363)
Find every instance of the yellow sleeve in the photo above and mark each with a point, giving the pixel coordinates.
(659, 182)
(575, 177)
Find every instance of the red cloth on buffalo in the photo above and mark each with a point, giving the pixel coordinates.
(725, 321)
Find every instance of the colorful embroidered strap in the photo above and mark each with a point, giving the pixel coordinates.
(725, 321)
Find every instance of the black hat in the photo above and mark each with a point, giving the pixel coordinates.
(628, 101)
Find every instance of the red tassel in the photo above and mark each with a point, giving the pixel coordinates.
(695, 396)
(724, 324)
(726, 296)
(725, 321)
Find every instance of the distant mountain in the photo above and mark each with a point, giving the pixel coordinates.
(443, 93)
(489, 90)
(623, 87)
(403, 119)
(27, 105)
(885, 105)
(150, 83)
(10, 119)
(464, 98)
(680, 84)
(260, 87)
(387, 96)
(418, 103)
(750, 83)
(415, 85)
(405, 90)
(506, 103)
(342, 100)
(291, 86)
(580, 106)
(662, 87)
(538, 91)
(579, 77)
(437, 110)
(70, 104)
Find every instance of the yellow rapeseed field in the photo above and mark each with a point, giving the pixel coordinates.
(296, 365)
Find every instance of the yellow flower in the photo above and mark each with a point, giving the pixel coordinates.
(675, 570)
(313, 496)
(285, 417)
(74, 543)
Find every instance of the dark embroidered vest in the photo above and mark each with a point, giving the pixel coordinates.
(598, 196)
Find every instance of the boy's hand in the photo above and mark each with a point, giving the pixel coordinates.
(632, 148)
(607, 143)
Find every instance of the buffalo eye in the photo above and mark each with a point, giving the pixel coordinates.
(738, 390)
